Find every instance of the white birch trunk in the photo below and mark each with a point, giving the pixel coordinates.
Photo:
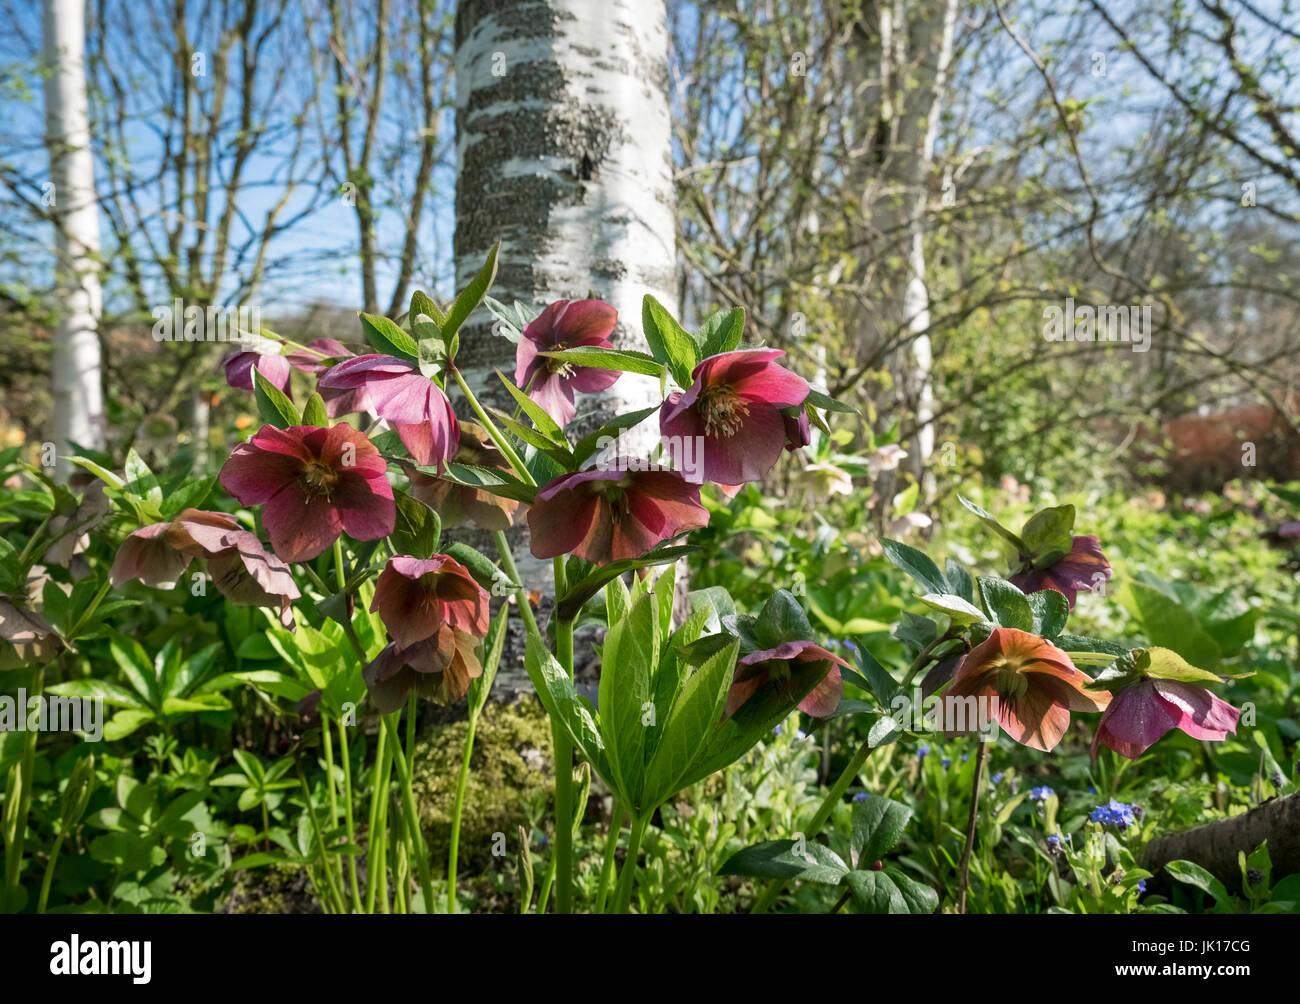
(564, 155)
(78, 394)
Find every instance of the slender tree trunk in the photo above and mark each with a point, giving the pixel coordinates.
(564, 155)
(78, 394)
(905, 56)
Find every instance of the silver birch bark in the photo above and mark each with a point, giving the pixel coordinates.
(78, 393)
(563, 154)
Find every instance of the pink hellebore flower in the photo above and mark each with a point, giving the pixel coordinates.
(315, 483)
(564, 324)
(1085, 567)
(239, 369)
(735, 408)
(310, 362)
(240, 567)
(610, 515)
(398, 393)
(1141, 714)
(415, 597)
(780, 666)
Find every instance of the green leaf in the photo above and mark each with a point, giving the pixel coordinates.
(916, 564)
(491, 479)
(416, 528)
(1166, 624)
(882, 684)
(272, 404)
(827, 403)
(555, 690)
(878, 825)
(579, 593)
(190, 495)
(782, 619)
(622, 360)
(470, 297)
(313, 412)
(784, 859)
(721, 332)
(959, 581)
(955, 607)
(388, 338)
(140, 480)
(1006, 604)
(695, 712)
(589, 444)
(1190, 873)
(481, 567)
(545, 424)
(629, 658)
(1048, 535)
(97, 690)
(995, 526)
(891, 891)
(669, 342)
(1051, 610)
(422, 304)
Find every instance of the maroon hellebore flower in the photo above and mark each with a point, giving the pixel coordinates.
(310, 362)
(415, 597)
(239, 369)
(610, 515)
(735, 404)
(798, 430)
(240, 567)
(1035, 683)
(315, 483)
(1083, 568)
(398, 393)
(1141, 714)
(158, 554)
(564, 324)
(781, 665)
(439, 668)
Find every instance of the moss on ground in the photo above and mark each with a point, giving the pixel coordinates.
(510, 770)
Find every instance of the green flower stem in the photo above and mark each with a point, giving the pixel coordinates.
(548, 880)
(611, 847)
(461, 783)
(563, 750)
(335, 894)
(89, 612)
(18, 798)
(627, 876)
(963, 869)
(493, 432)
(49, 873)
(376, 862)
(412, 817)
(346, 757)
(37, 536)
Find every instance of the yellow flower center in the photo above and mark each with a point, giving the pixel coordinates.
(722, 410)
(318, 480)
(558, 367)
(1008, 681)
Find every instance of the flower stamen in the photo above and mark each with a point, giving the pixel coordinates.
(723, 411)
